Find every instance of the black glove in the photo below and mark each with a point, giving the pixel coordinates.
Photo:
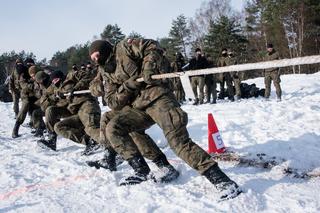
(132, 84)
(147, 78)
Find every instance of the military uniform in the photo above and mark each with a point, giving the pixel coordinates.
(272, 74)
(83, 123)
(178, 91)
(236, 76)
(196, 63)
(152, 102)
(28, 99)
(225, 77)
(14, 88)
(143, 142)
(211, 85)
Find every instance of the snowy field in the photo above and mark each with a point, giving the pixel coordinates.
(35, 180)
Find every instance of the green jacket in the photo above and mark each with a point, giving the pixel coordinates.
(274, 55)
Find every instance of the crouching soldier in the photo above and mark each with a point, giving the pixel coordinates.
(144, 142)
(83, 125)
(152, 102)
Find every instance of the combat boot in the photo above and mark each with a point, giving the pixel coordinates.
(38, 132)
(168, 172)
(141, 170)
(15, 131)
(50, 143)
(91, 146)
(107, 162)
(201, 101)
(214, 101)
(196, 101)
(227, 188)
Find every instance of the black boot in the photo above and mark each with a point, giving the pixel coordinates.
(38, 132)
(15, 131)
(141, 170)
(107, 162)
(50, 143)
(196, 101)
(228, 189)
(91, 146)
(169, 173)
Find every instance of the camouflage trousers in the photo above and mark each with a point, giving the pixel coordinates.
(178, 90)
(210, 87)
(53, 115)
(225, 78)
(143, 142)
(165, 112)
(85, 122)
(198, 81)
(27, 106)
(37, 119)
(236, 81)
(275, 77)
(15, 98)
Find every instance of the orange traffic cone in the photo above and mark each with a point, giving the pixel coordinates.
(215, 142)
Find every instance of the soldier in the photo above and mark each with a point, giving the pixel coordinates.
(152, 102)
(37, 113)
(198, 62)
(14, 87)
(28, 98)
(55, 108)
(83, 125)
(176, 66)
(272, 74)
(144, 143)
(211, 83)
(225, 77)
(236, 76)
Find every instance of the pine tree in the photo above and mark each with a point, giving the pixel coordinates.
(180, 35)
(167, 44)
(134, 34)
(225, 33)
(112, 33)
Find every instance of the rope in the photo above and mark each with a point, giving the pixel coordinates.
(243, 67)
(314, 59)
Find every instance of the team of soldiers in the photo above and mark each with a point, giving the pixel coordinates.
(134, 107)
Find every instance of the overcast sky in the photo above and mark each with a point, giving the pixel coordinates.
(44, 27)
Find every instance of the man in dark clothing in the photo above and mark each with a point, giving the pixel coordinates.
(196, 63)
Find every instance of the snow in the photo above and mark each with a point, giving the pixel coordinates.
(36, 180)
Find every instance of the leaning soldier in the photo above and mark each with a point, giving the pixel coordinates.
(154, 104)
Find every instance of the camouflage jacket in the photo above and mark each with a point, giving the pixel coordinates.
(14, 81)
(79, 80)
(130, 58)
(274, 55)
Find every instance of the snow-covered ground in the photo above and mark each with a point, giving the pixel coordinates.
(35, 180)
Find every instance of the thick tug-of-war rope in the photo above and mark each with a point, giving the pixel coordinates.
(235, 68)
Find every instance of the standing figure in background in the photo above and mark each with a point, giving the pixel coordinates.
(225, 77)
(272, 74)
(196, 63)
